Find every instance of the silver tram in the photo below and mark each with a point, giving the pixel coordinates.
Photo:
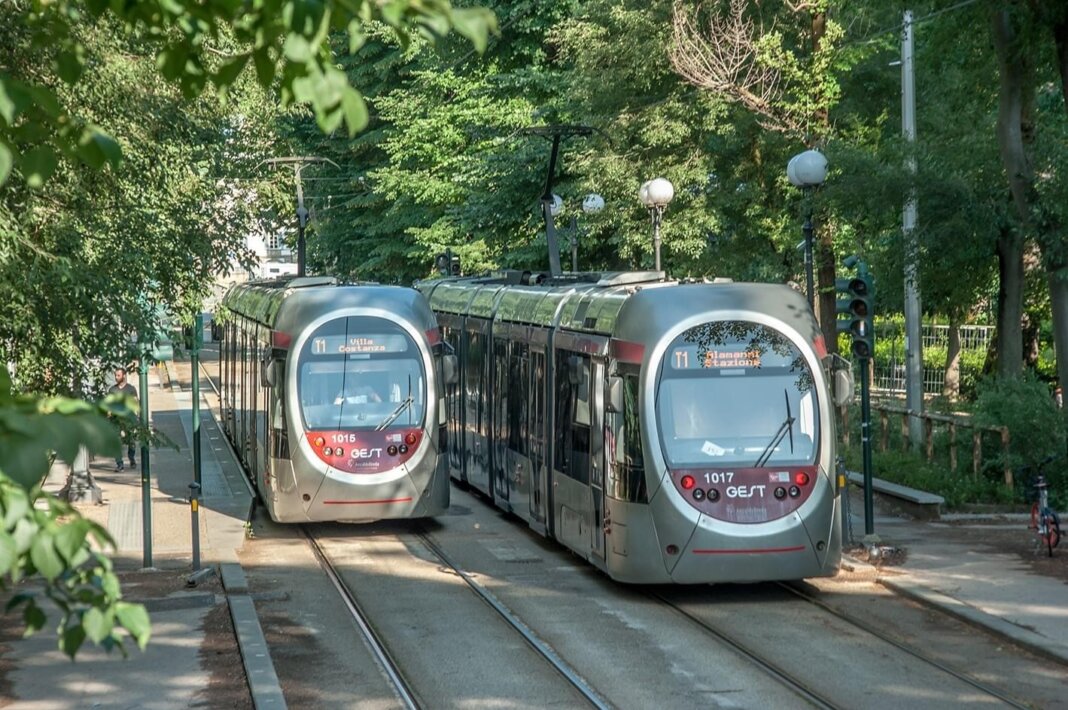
(666, 432)
(330, 397)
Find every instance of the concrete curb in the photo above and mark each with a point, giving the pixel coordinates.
(259, 669)
(1029, 639)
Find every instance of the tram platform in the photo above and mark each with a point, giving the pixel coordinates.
(194, 659)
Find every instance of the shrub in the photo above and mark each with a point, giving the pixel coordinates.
(1036, 426)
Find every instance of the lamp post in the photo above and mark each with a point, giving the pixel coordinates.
(808, 170)
(655, 195)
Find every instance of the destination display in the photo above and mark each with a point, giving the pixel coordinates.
(358, 344)
(693, 358)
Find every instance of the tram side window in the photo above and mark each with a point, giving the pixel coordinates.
(474, 386)
(562, 400)
(518, 405)
(573, 416)
(630, 466)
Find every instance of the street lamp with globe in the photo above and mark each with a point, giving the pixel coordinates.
(808, 170)
(655, 195)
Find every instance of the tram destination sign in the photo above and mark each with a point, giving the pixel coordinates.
(693, 358)
(358, 344)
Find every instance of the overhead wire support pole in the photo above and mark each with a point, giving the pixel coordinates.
(556, 133)
(299, 162)
(913, 310)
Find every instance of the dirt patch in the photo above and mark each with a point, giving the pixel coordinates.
(227, 685)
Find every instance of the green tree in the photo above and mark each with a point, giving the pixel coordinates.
(88, 259)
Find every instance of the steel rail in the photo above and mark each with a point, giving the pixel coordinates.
(542, 648)
(385, 660)
(782, 676)
(868, 628)
(382, 656)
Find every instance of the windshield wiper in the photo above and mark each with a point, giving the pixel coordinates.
(786, 426)
(407, 402)
(395, 413)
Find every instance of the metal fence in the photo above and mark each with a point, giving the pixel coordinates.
(888, 372)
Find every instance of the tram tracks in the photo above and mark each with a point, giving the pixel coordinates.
(774, 670)
(392, 667)
(797, 591)
(806, 689)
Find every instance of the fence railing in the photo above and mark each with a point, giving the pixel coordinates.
(952, 425)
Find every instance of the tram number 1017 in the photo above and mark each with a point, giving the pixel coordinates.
(719, 477)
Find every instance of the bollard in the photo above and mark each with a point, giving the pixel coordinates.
(194, 511)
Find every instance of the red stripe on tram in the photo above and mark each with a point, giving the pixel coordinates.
(765, 550)
(368, 502)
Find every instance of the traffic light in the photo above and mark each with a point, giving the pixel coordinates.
(856, 305)
(447, 263)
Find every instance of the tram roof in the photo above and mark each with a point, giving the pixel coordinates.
(593, 302)
(261, 300)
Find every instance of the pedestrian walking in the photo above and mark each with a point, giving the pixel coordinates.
(122, 386)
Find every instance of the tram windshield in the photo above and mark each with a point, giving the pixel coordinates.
(735, 393)
(361, 372)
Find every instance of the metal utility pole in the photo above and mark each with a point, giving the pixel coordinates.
(194, 364)
(913, 312)
(299, 163)
(146, 470)
(556, 133)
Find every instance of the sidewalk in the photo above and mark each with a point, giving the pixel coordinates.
(953, 566)
(192, 658)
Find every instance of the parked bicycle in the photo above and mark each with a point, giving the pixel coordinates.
(1044, 520)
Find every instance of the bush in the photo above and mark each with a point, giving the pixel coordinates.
(1036, 427)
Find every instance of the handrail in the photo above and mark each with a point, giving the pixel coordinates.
(929, 419)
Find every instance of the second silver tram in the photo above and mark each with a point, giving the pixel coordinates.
(666, 432)
(330, 395)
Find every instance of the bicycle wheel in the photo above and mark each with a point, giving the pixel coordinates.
(1053, 526)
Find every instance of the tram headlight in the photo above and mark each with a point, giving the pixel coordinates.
(319, 441)
(794, 491)
(780, 493)
(391, 450)
(713, 495)
(339, 451)
(403, 449)
(698, 494)
(327, 451)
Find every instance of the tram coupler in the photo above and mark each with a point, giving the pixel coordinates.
(194, 511)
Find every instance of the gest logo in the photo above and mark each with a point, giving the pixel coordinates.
(366, 453)
(746, 491)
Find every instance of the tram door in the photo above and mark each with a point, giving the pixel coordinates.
(597, 455)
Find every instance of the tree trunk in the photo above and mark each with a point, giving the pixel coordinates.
(951, 382)
(1010, 304)
(1014, 130)
(1058, 296)
(1058, 273)
(826, 305)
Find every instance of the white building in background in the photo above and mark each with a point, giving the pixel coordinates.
(273, 257)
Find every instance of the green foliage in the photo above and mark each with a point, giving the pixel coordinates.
(908, 469)
(41, 536)
(1024, 405)
(197, 45)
